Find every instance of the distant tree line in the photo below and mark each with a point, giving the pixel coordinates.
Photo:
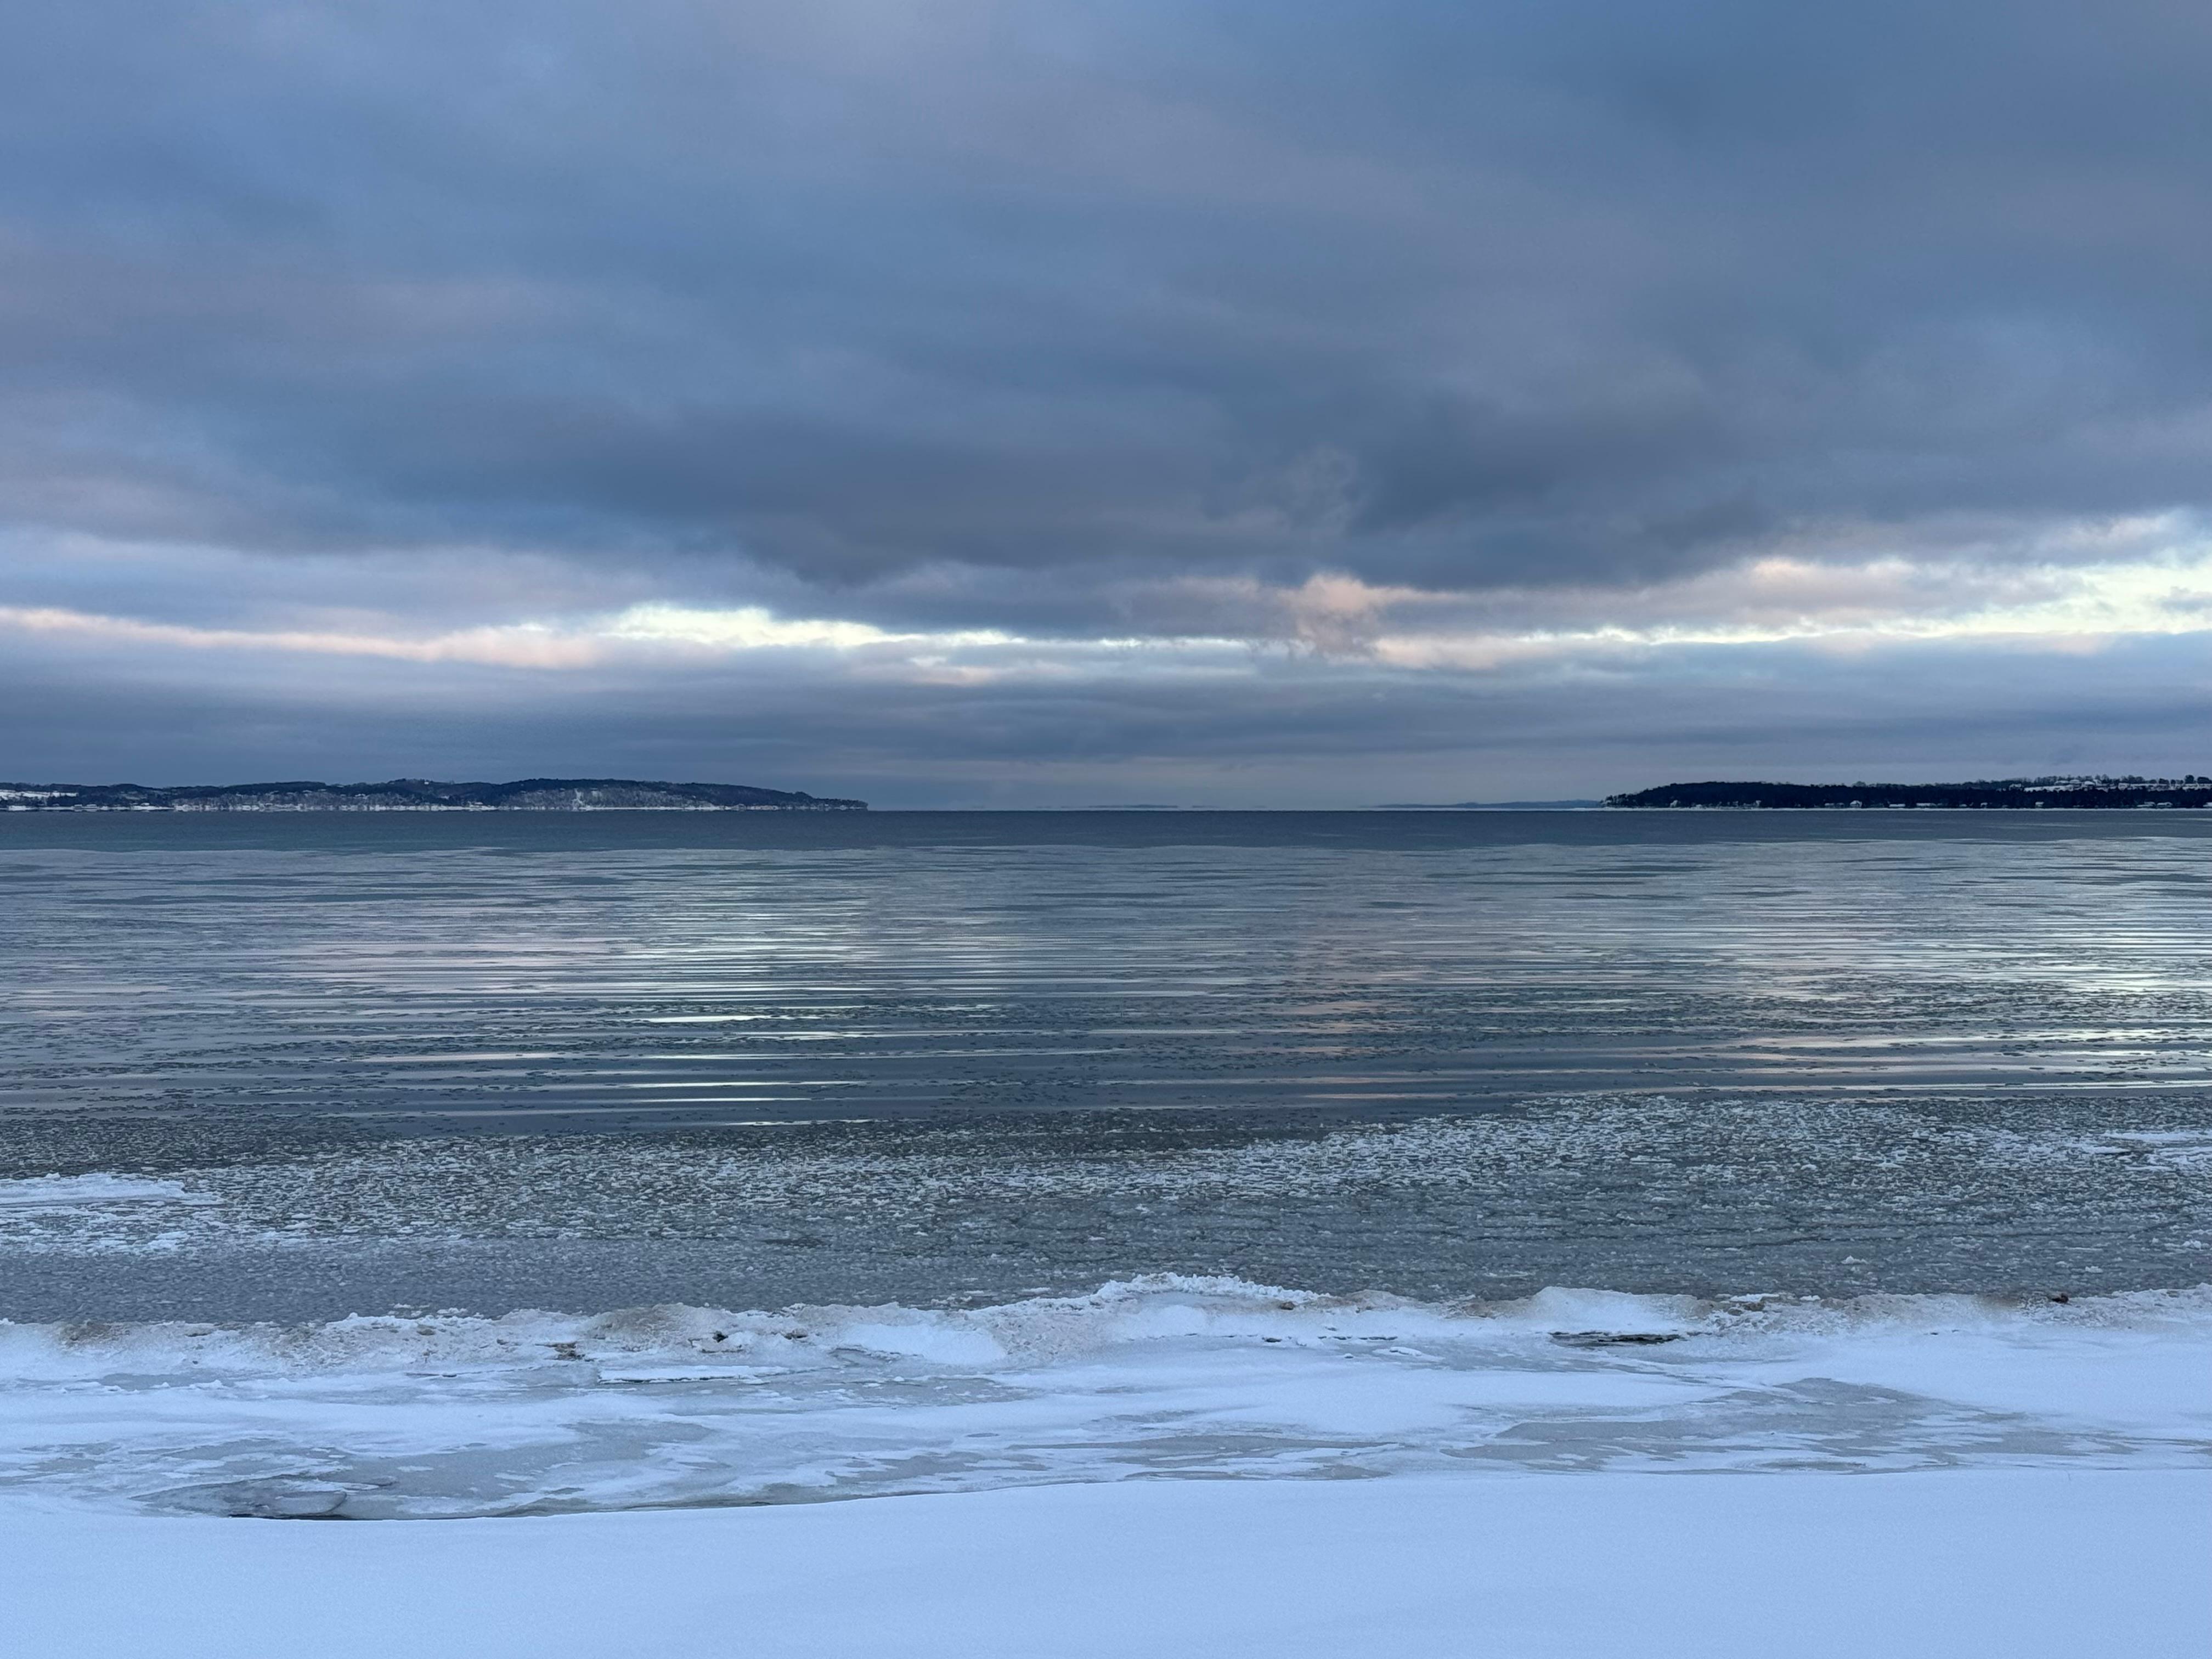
(2098, 791)
(418, 795)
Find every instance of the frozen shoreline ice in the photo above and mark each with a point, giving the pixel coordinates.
(393, 1417)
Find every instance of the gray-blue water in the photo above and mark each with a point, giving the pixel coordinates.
(484, 1060)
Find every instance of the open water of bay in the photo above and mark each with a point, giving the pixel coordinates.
(397, 1167)
(298, 1067)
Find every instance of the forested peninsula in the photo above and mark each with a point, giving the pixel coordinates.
(420, 795)
(2001, 793)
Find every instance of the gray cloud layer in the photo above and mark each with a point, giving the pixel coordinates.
(1069, 321)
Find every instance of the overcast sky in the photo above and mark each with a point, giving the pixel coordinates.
(1041, 404)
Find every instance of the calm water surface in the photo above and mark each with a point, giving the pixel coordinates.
(484, 1057)
(624, 968)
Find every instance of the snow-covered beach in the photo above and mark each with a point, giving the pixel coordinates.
(2018, 1564)
(1168, 1466)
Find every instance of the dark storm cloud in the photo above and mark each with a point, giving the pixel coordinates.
(373, 379)
(1448, 295)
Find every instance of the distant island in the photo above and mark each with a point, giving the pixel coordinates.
(2002, 793)
(419, 795)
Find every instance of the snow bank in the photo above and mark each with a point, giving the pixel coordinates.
(537, 1413)
(2025, 1564)
(1121, 1314)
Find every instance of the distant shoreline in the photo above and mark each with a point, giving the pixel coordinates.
(1998, 794)
(421, 795)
